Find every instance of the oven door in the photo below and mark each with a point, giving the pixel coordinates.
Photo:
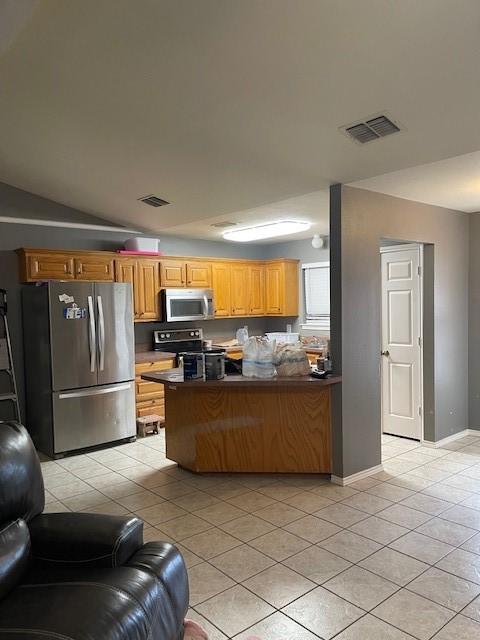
(187, 304)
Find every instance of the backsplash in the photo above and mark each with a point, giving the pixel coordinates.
(225, 328)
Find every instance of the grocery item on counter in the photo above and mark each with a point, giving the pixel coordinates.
(214, 364)
(258, 357)
(291, 360)
(242, 335)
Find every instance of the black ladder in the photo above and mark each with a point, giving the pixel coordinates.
(6, 358)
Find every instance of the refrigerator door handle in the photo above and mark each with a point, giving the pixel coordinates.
(101, 330)
(94, 391)
(91, 334)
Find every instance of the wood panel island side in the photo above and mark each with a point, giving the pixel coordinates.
(237, 424)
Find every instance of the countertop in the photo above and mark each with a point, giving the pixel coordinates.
(144, 353)
(239, 347)
(175, 376)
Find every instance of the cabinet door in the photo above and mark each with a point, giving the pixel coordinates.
(239, 289)
(172, 273)
(126, 271)
(148, 290)
(257, 290)
(94, 267)
(274, 289)
(49, 266)
(199, 274)
(221, 289)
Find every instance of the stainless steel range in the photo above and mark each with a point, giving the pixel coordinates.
(178, 340)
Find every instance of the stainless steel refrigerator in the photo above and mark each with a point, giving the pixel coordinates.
(79, 364)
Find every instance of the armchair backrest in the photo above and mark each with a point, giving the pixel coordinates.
(22, 493)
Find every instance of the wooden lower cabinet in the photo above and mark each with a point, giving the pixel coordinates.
(239, 428)
(312, 357)
(149, 396)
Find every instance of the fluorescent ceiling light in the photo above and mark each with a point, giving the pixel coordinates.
(267, 230)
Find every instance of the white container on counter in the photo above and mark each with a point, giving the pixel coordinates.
(283, 338)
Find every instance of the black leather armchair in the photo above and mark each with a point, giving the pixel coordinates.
(78, 576)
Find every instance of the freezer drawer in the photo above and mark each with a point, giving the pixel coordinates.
(92, 416)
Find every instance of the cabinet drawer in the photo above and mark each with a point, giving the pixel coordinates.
(147, 367)
(151, 406)
(148, 390)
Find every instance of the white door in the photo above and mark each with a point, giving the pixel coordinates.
(401, 342)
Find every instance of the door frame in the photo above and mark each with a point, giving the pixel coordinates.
(391, 249)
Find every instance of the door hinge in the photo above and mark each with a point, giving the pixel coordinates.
(419, 411)
(419, 341)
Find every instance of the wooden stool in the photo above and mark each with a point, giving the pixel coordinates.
(149, 424)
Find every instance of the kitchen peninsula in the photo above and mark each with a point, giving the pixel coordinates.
(238, 424)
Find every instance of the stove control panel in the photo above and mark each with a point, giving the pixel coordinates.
(176, 335)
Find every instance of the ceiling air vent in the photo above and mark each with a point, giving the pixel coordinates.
(154, 201)
(223, 225)
(370, 129)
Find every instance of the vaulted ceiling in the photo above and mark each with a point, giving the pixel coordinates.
(224, 106)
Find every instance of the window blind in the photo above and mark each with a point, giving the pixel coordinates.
(317, 292)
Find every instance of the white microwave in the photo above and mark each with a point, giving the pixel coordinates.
(186, 304)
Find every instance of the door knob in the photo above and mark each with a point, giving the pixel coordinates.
(386, 353)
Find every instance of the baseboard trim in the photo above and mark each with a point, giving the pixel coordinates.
(356, 476)
(452, 438)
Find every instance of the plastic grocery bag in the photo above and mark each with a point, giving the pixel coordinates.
(258, 358)
(291, 360)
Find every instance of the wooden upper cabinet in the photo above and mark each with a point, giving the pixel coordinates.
(46, 266)
(257, 289)
(143, 274)
(199, 274)
(274, 289)
(94, 267)
(148, 289)
(239, 289)
(126, 271)
(281, 288)
(173, 273)
(221, 289)
(183, 273)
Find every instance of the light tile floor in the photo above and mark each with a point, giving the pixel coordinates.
(395, 556)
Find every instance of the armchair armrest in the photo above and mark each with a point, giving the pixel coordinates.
(86, 539)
